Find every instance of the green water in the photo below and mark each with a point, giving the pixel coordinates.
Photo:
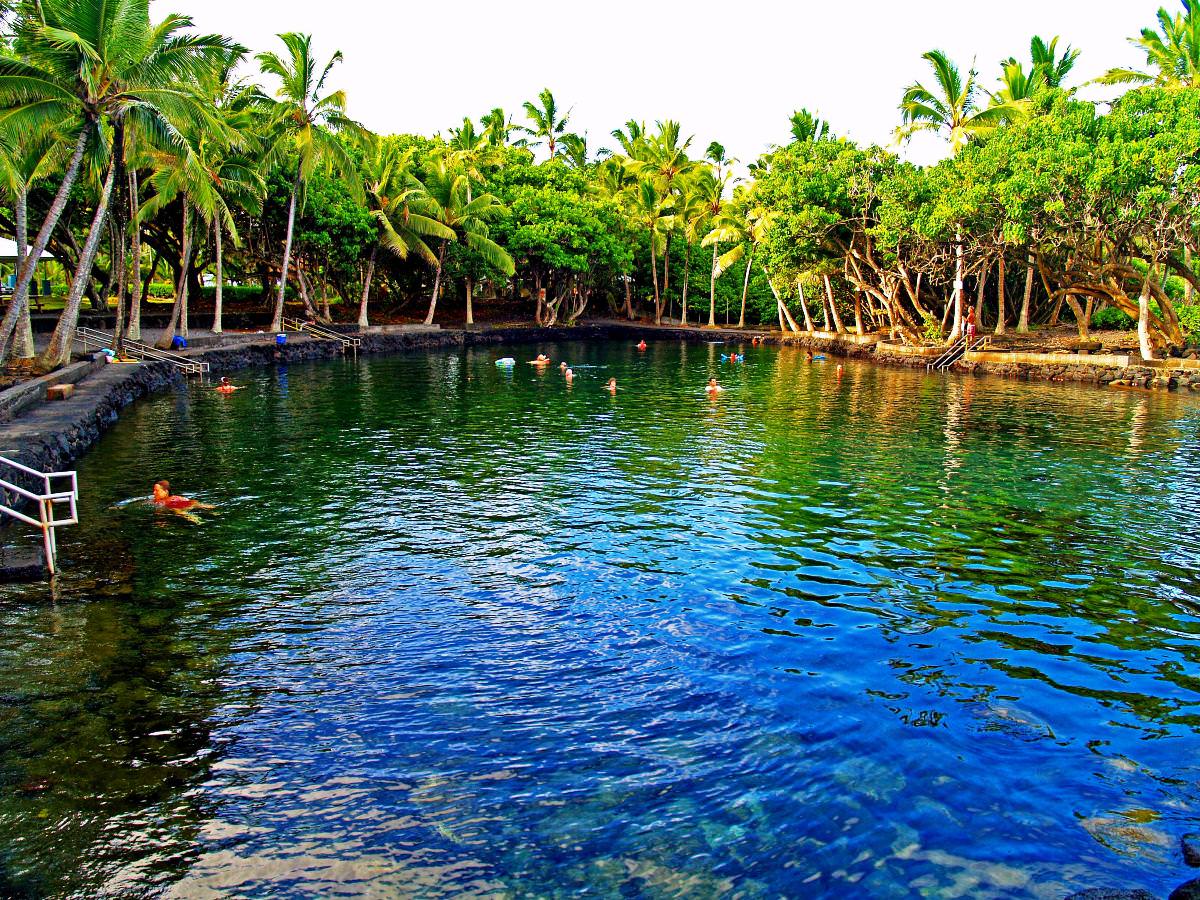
(456, 630)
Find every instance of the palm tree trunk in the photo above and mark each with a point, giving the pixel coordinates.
(437, 284)
(134, 330)
(712, 291)
(277, 321)
(23, 339)
(666, 289)
(181, 287)
(470, 286)
(1001, 312)
(135, 314)
(1023, 319)
(687, 265)
(745, 287)
(59, 351)
(25, 275)
(310, 311)
(362, 307)
(654, 273)
(218, 299)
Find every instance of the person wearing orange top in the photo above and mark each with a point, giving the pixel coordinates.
(164, 498)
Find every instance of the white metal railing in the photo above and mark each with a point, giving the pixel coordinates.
(348, 342)
(91, 338)
(955, 352)
(45, 501)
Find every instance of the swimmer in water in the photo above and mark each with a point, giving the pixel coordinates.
(712, 387)
(562, 367)
(182, 506)
(569, 375)
(808, 355)
(641, 345)
(542, 360)
(225, 387)
(612, 386)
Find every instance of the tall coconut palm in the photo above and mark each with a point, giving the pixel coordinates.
(308, 121)
(86, 66)
(665, 162)
(710, 187)
(745, 225)
(23, 160)
(649, 209)
(498, 128)
(547, 126)
(397, 201)
(691, 211)
(807, 127)
(1172, 52)
(575, 150)
(631, 138)
(1054, 68)
(448, 202)
(953, 106)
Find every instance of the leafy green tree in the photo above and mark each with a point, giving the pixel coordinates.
(307, 121)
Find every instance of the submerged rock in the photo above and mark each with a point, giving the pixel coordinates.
(1189, 890)
(1190, 845)
(1112, 894)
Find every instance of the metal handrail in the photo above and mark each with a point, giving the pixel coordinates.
(101, 339)
(323, 333)
(46, 500)
(955, 352)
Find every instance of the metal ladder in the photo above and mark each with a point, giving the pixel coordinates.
(90, 338)
(45, 500)
(955, 352)
(323, 333)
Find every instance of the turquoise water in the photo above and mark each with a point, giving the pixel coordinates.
(457, 630)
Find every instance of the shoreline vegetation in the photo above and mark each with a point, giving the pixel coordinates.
(159, 164)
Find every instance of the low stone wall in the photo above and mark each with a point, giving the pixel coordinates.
(20, 397)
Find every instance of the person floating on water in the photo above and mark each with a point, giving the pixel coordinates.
(612, 386)
(225, 387)
(641, 345)
(542, 360)
(569, 375)
(183, 506)
(713, 388)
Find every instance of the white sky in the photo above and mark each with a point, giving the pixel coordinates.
(729, 71)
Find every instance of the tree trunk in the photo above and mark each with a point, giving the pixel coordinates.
(310, 311)
(745, 288)
(956, 330)
(326, 315)
(1023, 319)
(858, 319)
(217, 291)
(837, 320)
(654, 273)
(181, 286)
(1187, 285)
(59, 351)
(808, 323)
(981, 289)
(1001, 312)
(470, 286)
(134, 329)
(25, 275)
(23, 339)
(437, 284)
(712, 291)
(687, 265)
(1143, 323)
(277, 320)
(362, 307)
(666, 288)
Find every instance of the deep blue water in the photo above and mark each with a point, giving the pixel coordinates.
(462, 631)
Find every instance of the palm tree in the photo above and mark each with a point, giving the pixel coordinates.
(631, 138)
(575, 150)
(1054, 68)
(745, 225)
(308, 122)
(448, 202)
(499, 128)
(806, 127)
(692, 212)
(952, 106)
(1172, 52)
(647, 207)
(86, 66)
(664, 162)
(711, 189)
(23, 161)
(397, 201)
(548, 126)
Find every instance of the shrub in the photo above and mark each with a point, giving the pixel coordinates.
(1189, 319)
(161, 291)
(933, 330)
(1112, 319)
(237, 293)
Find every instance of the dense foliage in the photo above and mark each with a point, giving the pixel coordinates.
(131, 149)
